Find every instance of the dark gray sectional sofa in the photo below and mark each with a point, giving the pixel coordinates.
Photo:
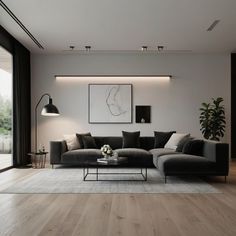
(214, 160)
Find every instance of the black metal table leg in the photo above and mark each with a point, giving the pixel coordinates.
(86, 172)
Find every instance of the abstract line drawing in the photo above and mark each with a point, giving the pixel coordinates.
(110, 103)
(113, 103)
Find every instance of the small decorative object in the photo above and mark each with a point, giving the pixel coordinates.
(107, 151)
(212, 119)
(110, 103)
(42, 150)
(143, 114)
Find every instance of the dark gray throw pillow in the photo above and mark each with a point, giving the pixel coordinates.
(181, 144)
(161, 138)
(89, 142)
(131, 139)
(80, 138)
(194, 147)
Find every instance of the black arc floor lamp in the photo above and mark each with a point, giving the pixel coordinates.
(48, 110)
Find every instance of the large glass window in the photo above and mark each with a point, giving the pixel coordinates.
(5, 109)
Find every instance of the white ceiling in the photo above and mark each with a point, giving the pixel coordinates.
(124, 24)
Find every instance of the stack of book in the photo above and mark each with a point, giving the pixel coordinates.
(107, 161)
(112, 160)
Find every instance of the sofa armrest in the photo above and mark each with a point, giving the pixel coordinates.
(57, 148)
(219, 153)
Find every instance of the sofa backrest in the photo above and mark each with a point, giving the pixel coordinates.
(115, 142)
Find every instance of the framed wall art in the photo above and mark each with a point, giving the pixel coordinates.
(110, 103)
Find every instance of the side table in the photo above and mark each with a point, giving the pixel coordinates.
(38, 159)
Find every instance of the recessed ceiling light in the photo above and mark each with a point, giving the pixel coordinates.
(160, 48)
(87, 48)
(144, 48)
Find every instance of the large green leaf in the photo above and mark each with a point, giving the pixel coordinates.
(212, 119)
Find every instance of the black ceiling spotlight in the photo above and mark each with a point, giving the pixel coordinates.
(160, 48)
(144, 48)
(87, 48)
(72, 47)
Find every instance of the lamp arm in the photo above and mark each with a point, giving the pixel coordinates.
(46, 94)
(36, 121)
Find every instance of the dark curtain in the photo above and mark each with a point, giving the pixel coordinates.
(233, 105)
(21, 98)
(21, 105)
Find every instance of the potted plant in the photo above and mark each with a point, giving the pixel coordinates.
(212, 119)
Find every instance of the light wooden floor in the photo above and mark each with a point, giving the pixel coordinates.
(119, 214)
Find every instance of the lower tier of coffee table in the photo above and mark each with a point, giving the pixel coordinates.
(87, 171)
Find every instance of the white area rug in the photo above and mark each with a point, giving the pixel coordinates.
(70, 180)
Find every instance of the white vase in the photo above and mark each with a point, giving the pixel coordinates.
(106, 157)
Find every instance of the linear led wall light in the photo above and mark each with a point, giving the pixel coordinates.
(116, 77)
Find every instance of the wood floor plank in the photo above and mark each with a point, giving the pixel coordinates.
(118, 214)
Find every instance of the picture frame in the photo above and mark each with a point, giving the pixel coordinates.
(110, 103)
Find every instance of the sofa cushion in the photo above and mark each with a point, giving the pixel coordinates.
(182, 143)
(134, 152)
(72, 141)
(80, 156)
(174, 140)
(161, 138)
(156, 152)
(80, 138)
(184, 164)
(136, 156)
(114, 142)
(194, 147)
(131, 139)
(89, 142)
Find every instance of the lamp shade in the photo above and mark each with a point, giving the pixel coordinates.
(50, 109)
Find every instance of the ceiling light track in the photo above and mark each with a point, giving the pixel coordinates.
(13, 16)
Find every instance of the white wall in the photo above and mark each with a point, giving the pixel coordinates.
(175, 104)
